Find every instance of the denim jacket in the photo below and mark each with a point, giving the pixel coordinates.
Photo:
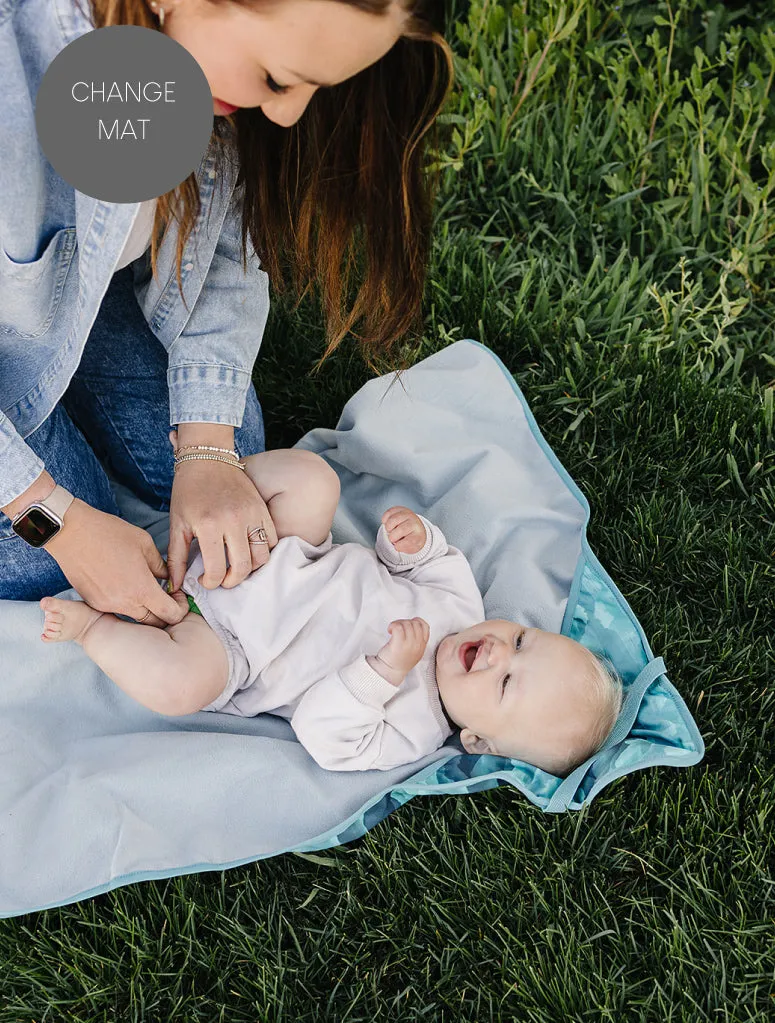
(59, 249)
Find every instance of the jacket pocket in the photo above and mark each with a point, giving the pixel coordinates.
(30, 292)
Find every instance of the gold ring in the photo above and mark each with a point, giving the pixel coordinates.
(260, 532)
(141, 620)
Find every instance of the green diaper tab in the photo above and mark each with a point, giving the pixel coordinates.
(191, 602)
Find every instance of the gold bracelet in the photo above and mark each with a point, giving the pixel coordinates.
(206, 447)
(205, 457)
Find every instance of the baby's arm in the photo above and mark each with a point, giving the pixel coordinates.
(404, 649)
(341, 722)
(406, 540)
(341, 719)
(430, 563)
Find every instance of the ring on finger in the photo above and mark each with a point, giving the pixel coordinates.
(260, 533)
(146, 615)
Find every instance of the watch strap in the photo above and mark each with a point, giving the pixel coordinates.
(58, 501)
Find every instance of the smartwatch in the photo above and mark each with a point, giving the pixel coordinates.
(42, 521)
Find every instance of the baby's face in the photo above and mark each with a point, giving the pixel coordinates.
(503, 679)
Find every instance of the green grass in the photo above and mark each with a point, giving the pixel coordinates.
(612, 241)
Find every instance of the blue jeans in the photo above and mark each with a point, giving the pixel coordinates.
(114, 414)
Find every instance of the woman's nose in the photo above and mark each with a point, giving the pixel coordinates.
(286, 110)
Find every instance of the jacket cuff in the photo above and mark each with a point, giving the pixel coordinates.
(21, 466)
(207, 393)
(366, 684)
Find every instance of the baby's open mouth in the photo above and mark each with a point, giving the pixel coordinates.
(468, 654)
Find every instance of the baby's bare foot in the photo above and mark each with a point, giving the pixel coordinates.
(67, 619)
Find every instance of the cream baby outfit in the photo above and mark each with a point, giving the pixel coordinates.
(297, 632)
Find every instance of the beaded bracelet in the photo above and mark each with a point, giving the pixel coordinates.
(206, 447)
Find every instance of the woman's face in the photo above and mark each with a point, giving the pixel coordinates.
(247, 53)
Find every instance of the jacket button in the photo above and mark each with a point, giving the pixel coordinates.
(188, 266)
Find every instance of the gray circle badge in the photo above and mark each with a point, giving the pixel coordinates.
(124, 114)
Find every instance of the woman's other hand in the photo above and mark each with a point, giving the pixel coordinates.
(219, 505)
(113, 565)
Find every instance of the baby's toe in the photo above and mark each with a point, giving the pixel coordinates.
(51, 632)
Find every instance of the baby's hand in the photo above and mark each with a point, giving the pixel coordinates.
(407, 643)
(404, 529)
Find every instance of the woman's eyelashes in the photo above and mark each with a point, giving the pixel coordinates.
(273, 85)
(518, 640)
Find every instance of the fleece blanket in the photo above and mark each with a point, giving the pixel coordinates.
(98, 792)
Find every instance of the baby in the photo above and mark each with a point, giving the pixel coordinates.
(303, 637)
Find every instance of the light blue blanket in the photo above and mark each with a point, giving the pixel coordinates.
(97, 792)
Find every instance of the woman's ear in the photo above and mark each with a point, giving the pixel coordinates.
(473, 743)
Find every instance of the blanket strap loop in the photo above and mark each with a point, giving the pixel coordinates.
(566, 790)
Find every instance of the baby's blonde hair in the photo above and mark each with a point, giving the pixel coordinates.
(602, 688)
(605, 693)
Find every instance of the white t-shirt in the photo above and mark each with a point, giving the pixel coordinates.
(140, 236)
(297, 632)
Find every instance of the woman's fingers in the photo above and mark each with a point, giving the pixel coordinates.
(143, 618)
(228, 560)
(153, 558)
(243, 557)
(259, 553)
(177, 556)
(182, 603)
(213, 552)
(163, 609)
(240, 559)
(266, 522)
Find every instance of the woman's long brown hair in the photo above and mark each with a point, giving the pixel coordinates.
(346, 185)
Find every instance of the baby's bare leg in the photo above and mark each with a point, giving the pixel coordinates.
(177, 670)
(300, 490)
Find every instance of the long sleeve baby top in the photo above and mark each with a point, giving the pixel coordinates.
(297, 632)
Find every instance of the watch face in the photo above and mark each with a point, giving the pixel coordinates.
(36, 526)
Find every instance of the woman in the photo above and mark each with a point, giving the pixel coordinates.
(321, 108)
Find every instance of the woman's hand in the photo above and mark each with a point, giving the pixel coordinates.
(219, 505)
(113, 565)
